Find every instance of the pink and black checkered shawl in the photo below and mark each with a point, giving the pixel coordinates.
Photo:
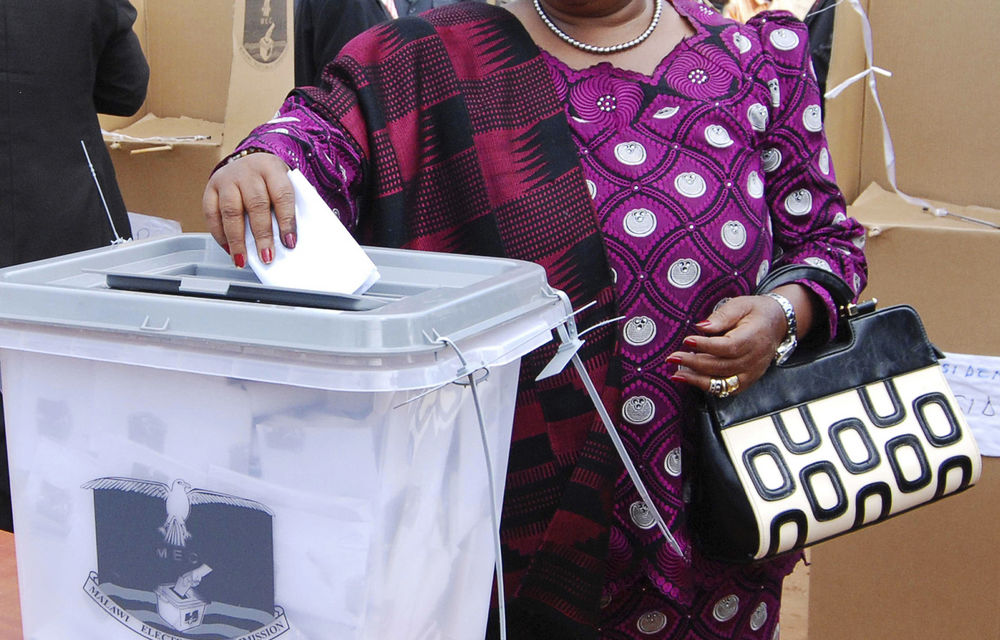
(466, 149)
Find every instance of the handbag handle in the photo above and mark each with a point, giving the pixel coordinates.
(834, 284)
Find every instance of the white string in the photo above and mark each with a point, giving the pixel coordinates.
(888, 152)
(633, 473)
(494, 497)
(118, 239)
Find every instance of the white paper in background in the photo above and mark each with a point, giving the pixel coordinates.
(975, 381)
(325, 258)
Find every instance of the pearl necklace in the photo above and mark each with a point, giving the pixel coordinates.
(589, 48)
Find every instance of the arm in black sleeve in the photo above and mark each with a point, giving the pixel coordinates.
(122, 71)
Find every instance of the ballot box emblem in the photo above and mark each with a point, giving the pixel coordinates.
(265, 30)
(178, 562)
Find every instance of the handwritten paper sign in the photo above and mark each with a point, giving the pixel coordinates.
(975, 380)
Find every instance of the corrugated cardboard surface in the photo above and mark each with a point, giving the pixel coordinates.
(944, 267)
(940, 102)
(202, 82)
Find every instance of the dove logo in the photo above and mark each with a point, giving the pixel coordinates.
(176, 562)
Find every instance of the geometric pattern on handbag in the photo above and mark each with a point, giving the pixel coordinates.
(842, 435)
(838, 463)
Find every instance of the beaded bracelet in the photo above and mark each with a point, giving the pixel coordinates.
(244, 153)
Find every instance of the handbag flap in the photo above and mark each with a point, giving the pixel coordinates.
(869, 347)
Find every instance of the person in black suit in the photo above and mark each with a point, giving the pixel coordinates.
(61, 63)
(323, 27)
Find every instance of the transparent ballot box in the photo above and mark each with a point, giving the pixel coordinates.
(194, 455)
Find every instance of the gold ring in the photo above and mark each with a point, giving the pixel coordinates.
(717, 387)
(732, 384)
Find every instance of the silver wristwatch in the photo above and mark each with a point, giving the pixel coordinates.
(787, 346)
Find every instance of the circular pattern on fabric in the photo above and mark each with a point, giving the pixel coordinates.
(638, 410)
(757, 115)
(717, 136)
(592, 189)
(734, 234)
(666, 112)
(759, 617)
(755, 186)
(690, 184)
(696, 76)
(726, 608)
(640, 331)
(630, 153)
(812, 118)
(775, 89)
(799, 203)
(606, 101)
(651, 622)
(743, 43)
(770, 159)
(641, 516)
(672, 462)
(824, 161)
(784, 39)
(839, 217)
(819, 262)
(683, 273)
(639, 223)
(762, 271)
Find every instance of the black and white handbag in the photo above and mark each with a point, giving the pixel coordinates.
(839, 437)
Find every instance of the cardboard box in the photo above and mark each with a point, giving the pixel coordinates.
(933, 573)
(218, 68)
(940, 102)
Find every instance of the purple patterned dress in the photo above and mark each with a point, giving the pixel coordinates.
(704, 176)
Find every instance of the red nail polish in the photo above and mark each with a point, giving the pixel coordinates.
(690, 342)
(702, 324)
(290, 240)
(239, 261)
(225, 247)
(678, 378)
(267, 255)
(673, 360)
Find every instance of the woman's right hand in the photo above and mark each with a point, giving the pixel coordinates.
(250, 186)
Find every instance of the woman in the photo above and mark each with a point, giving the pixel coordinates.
(656, 159)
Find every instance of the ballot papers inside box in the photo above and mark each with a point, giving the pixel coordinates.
(195, 455)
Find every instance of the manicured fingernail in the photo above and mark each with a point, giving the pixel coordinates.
(225, 247)
(678, 378)
(290, 240)
(703, 324)
(267, 255)
(239, 261)
(690, 342)
(673, 360)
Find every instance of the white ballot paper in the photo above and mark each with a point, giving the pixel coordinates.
(326, 257)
